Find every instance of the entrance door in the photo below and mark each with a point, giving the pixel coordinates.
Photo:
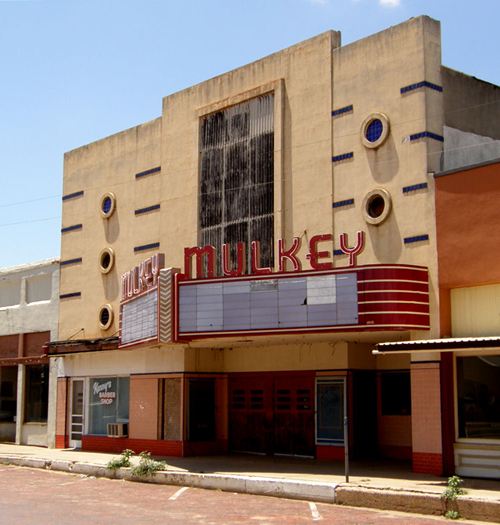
(272, 413)
(76, 417)
(364, 406)
(201, 409)
(251, 413)
(294, 415)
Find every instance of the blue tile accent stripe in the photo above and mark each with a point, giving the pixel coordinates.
(416, 238)
(418, 85)
(342, 111)
(73, 195)
(343, 156)
(338, 252)
(346, 202)
(145, 247)
(77, 260)
(147, 172)
(426, 134)
(68, 295)
(72, 228)
(415, 187)
(147, 209)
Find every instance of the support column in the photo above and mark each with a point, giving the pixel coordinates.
(61, 412)
(426, 417)
(52, 403)
(21, 381)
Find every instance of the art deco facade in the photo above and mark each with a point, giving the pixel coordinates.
(306, 181)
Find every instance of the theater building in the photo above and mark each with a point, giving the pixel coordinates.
(28, 320)
(227, 268)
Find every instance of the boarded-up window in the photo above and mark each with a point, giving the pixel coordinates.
(172, 409)
(10, 292)
(237, 178)
(39, 288)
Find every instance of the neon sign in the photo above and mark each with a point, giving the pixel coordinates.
(142, 278)
(316, 256)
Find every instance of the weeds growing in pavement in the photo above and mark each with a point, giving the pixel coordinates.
(147, 466)
(450, 495)
(122, 461)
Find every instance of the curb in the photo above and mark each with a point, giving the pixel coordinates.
(350, 495)
(417, 502)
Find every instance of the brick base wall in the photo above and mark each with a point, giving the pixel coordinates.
(116, 445)
(428, 463)
(61, 441)
(327, 453)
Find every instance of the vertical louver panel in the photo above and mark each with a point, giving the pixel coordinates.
(236, 177)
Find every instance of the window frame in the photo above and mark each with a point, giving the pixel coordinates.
(28, 389)
(218, 231)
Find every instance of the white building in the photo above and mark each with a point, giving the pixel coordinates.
(28, 319)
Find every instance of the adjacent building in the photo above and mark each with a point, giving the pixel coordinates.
(468, 227)
(29, 304)
(228, 268)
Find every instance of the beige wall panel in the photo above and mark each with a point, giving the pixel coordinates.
(146, 229)
(143, 418)
(475, 311)
(305, 70)
(122, 362)
(319, 356)
(360, 356)
(393, 362)
(108, 165)
(369, 74)
(73, 210)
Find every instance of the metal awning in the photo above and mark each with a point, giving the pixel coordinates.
(73, 346)
(447, 344)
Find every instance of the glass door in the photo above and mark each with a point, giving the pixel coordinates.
(76, 417)
(330, 394)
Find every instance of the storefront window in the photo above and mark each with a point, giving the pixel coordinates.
(109, 402)
(330, 412)
(478, 385)
(37, 394)
(8, 393)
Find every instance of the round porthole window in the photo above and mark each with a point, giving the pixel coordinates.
(374, 130)
(106, 260)
(105, 316)
(376, 206)
(108, 205)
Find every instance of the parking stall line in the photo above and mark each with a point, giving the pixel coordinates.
(316, 516)
(178, 493)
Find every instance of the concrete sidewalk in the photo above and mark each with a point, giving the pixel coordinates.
(386, 485)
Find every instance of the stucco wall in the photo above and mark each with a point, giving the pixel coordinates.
(108, 165)
(33, 291)
(471, 104)
(462, 149)
(369, 75)
(28, 319)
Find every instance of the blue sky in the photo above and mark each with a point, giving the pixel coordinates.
(75, 71)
